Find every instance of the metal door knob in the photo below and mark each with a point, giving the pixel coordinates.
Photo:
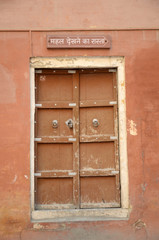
(55, 124)
(95, 122)
(69, 123)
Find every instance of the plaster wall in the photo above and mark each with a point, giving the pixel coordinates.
(79, 14)
(141, 51)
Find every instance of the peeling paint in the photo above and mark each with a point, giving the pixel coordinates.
(132, 128)
(42, 78)
(143, 186)
(15, 179)
(139, 224)
(38, 226)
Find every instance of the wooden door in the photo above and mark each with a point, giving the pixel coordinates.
(99, 168)
(76, 139)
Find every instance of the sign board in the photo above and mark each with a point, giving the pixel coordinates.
(76, 41)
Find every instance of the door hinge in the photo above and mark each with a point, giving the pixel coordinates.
(113, 138)
(38, 71)
(37, 174)
(37, 139)
(72, 104)
(72, 139)
(113, 102)
(71, 71)
(38, 105)
(112, 70)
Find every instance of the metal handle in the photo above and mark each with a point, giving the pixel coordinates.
(69, 123)
(95, 122)
(55, 124)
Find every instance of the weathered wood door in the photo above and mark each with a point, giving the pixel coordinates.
(76, 139)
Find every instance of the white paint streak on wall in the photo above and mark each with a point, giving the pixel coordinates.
(15, 179)
(26, 176)
(38, 226)
(132, 128)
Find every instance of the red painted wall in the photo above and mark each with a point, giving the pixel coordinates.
(79, 14)
(141, 51)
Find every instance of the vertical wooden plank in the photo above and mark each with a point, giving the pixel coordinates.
(116, 142)
(115, 90)
(35, 134)
(76, 135)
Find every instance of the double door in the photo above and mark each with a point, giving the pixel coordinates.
(76, 139)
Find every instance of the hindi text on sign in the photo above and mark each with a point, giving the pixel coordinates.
(78, 41)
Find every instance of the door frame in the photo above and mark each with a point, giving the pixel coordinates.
(84, 62)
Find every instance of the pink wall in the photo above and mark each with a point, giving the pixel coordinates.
(79, 14)
(141, 51)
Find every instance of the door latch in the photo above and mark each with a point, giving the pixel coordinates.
(69, 123)
(95, 122)
(55, 124)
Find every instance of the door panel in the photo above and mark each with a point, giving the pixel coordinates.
(96, 86)
(105, 117)
(54, 156)
(54, 87)
(92, 158)
(97, 191)
(45, 119)
(54, 191)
